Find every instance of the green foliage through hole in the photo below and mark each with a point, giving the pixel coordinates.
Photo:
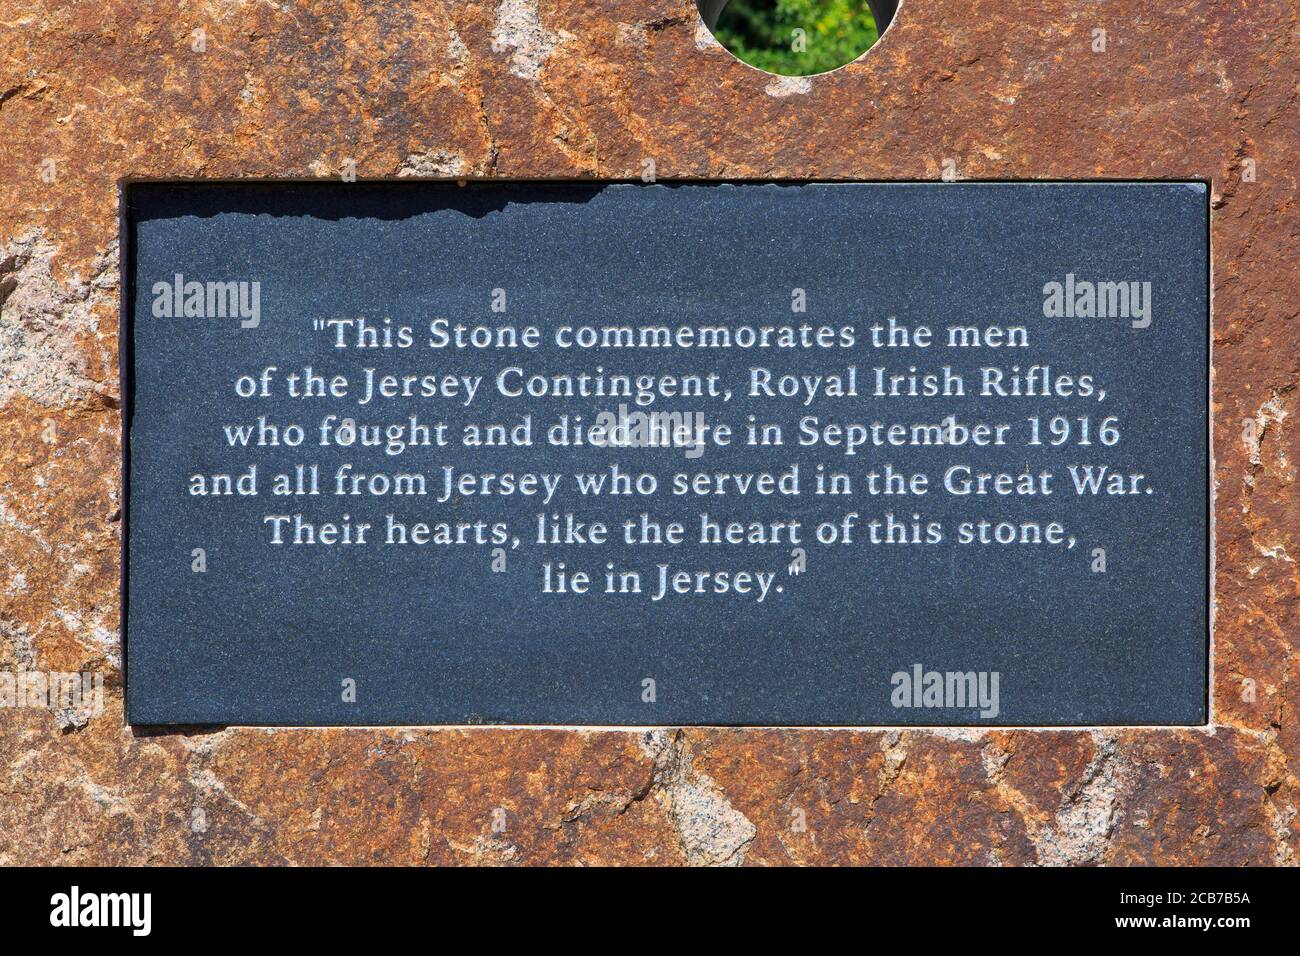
(797, 37)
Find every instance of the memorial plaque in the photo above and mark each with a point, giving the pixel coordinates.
(789, 454)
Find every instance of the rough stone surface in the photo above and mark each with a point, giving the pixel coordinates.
(90, 94)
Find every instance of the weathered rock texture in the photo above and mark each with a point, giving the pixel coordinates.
(93, 93)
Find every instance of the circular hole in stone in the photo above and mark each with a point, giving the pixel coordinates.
(797, 37)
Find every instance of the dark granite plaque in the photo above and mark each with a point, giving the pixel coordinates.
(817, 454)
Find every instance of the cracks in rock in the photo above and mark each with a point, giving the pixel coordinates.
(615, 802)
(466, 77)
(1276, 791)
(1086, 818)
(518, 30)
(7, 95)
(1080, 831)
(1279, 806)
(664, 22)
(25, 90)
(710, 830)
(8, 282)
(895, 758)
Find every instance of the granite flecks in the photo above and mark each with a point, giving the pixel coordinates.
(48, 322)
(517, 31)
(92, 95)
(780, 86)
(432, 164)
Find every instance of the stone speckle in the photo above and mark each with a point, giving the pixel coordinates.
(780, 86)
(1193, 90)
(518, 30)
(437, 163)
(43, 321)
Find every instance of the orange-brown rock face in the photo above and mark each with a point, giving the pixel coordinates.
(94, 93)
